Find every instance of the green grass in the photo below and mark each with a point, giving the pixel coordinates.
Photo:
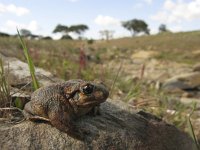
(191, 129)
(5, 98)
(30, 63)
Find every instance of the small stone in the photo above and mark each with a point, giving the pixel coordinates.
(144, 54)
(190, 100)
(188, 81)
(196, 67)
(188, 95)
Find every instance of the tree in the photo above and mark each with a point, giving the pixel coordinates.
(136, 26)
(2, 34)
(66, 37)
(46, 38)
(25, 32)
(108, 34)
(65, 30)
(61, 28)
(163, 28)
(79, 29)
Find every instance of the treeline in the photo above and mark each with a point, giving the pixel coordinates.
(25, 33)
(65, 30)
(135, 26)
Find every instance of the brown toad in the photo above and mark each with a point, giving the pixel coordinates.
(61, 103)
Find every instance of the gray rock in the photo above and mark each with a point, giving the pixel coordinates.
(19, 74)
(183, 82)
(118, 127)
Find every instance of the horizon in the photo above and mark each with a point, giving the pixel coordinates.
(41, 19)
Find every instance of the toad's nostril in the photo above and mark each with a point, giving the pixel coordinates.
(76, 97)
(99, 95)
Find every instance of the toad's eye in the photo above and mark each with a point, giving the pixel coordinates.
(87, 89)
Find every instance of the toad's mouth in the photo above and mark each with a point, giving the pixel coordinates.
(87, 104)
(77, 105)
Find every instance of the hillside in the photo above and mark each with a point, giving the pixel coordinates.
(167, 43)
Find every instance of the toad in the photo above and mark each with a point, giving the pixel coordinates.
(61, 103)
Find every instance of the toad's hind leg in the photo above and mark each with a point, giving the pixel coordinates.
(29, 114)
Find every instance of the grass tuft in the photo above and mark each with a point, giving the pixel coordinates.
(30, 63)
(4, 87)
(191, 129)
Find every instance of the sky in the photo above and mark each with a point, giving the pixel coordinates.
(42, 16)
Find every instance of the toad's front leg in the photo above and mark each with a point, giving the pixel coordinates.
(62, 120)
(95, 111)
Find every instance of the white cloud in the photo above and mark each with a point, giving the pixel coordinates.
(11, 26)
(178, 11)
(106, 21)
(11, 8)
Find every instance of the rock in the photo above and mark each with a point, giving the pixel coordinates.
(118, 127)
(187, 101)
(196, 67)
(19, 74)
(188, 94)
(144, 54)
(196, 52)
(187, 81)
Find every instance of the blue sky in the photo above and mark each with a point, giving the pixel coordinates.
(41, 16)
